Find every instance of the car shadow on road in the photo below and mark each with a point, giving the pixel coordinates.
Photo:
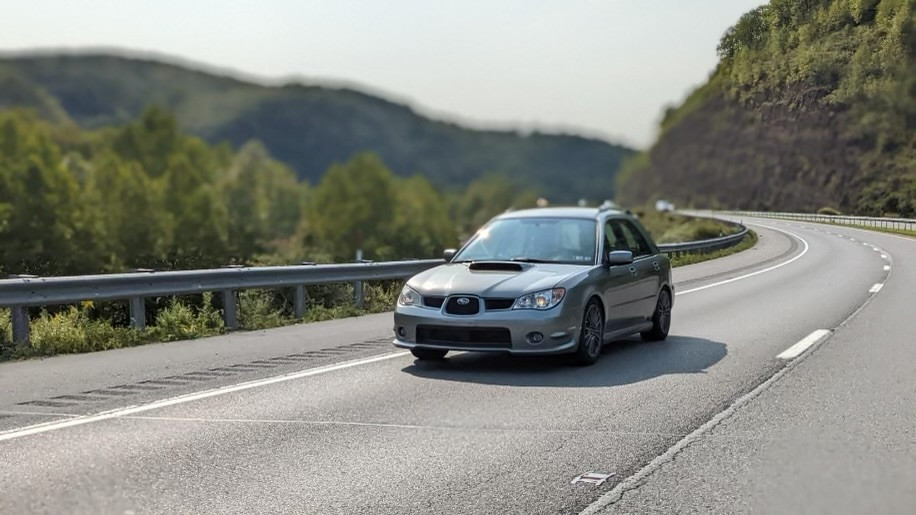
(622, 362)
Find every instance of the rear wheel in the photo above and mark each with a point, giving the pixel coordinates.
(591, 336)
(428, 354)
(661, 319)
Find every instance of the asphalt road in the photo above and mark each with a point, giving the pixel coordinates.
(327, 418)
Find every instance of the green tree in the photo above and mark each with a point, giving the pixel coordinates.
(38, 201)
(422, 226)
(151, 141)
(353, 207)
(485, 198)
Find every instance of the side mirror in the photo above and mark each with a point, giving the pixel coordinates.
(619, 257)
(448, 254)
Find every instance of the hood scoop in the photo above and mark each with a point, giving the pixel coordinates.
(495, 266)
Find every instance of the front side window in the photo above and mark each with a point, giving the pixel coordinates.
(626, 237)
(548, 240)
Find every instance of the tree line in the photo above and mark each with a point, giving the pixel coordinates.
(149, 195)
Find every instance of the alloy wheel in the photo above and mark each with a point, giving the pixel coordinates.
(594, 329)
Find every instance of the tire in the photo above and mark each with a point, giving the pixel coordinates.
(428, 354)
(661, 319)
(591, 337)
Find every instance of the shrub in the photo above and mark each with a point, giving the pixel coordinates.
(6, 329)
(259, 309)
(178, 321)
(71, 331)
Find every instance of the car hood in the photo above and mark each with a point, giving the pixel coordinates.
(496, 279)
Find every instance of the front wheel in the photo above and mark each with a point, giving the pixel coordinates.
(428, 354)
(591, 336)
(661, 319)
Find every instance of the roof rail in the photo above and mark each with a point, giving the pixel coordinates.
(607, 205)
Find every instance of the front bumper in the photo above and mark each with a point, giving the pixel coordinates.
(559, 327)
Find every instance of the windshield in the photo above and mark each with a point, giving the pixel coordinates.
(539, 240)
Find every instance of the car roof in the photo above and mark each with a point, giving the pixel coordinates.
(589, 213)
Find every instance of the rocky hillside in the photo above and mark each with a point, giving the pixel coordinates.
(812, 105)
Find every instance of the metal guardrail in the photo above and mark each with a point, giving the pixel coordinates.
(908, 224)
(22, 292)
(674, 249)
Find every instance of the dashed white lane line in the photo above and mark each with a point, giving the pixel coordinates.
(887, 267)
(883, 256)
(852, 239)
(181, 399)
(803, 344)
(758, 272)
(876, 288)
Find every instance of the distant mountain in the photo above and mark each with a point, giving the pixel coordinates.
(308, 127)
(812, 105)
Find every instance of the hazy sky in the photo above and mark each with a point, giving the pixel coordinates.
(599, 67)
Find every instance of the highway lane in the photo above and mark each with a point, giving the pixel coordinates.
(42, 390)
(474, 434)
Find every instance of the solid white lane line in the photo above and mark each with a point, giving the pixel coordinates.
(803, 344)
(887, 267)
(758, 272)
(876, 288)
(181, 399)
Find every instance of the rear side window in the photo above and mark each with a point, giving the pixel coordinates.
(627, 237)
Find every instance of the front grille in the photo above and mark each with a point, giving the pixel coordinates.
(433, 302)
(453, 307)
(495, 304)
(496, 337)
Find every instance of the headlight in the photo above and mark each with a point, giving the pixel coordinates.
(408, 297)
(541, 299)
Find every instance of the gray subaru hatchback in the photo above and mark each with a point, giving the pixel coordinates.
(540, 281)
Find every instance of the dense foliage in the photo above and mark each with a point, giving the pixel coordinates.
(147, 195)
(813, 104)
(307, 127)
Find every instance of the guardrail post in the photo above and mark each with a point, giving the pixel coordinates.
(358, 285)
(137, 313)
(20, 319)
(300, 301)
(230, 310)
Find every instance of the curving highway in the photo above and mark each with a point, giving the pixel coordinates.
(788, 385)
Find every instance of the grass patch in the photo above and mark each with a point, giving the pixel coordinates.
(674, 228)
(688, 259)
